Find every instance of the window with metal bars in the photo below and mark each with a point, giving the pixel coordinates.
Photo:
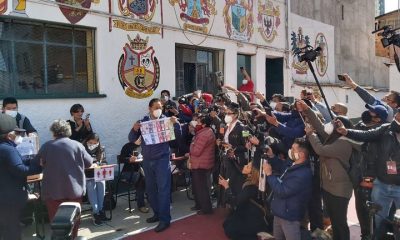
(46, 60)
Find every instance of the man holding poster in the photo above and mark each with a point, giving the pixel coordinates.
(156, 160)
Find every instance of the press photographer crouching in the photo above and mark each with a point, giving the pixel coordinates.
(248, 216)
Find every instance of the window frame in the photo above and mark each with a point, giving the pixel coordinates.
(92, 90)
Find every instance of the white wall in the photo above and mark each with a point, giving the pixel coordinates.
(112, 117)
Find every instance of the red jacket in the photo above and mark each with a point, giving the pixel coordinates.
(202, 149)
(248, 89)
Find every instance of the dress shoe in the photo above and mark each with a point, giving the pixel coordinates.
(144, 209)
(201, 212)
(152, 219)
(161, 227)
(194, 208)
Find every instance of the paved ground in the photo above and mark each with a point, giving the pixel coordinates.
(125, 223)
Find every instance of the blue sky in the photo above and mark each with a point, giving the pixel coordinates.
(391, 5)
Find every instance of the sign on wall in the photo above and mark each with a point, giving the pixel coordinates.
(137, 9)
(138, 68)
(195, 14)
(72, 14)
(238, 19)
(308, 32)
(268, 19)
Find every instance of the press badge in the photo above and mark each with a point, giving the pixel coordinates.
(391, 167)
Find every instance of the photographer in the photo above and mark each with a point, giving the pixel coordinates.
(185, 113)
(334, 153)
(169, 106)
(291, 192)
(386, 190)
(390, 101)
(235, 146)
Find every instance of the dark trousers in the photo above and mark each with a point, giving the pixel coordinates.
(337, 211)
(158, 186)
(315, 205)
(9, 222)
(362, 195)
(201, 190)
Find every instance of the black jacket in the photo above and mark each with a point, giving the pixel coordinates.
(238, 143)
(388, 149)
(81, 134)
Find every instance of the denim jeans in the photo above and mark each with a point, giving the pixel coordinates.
(385, 195)
(96, 192)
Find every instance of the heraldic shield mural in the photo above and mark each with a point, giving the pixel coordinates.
(142, 9)
(138, 68)
(268, 20)
(322, 60)
(238, 18)
(195, 14)
(74, 15)
(299, 41)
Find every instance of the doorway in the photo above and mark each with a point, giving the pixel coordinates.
(273, 76)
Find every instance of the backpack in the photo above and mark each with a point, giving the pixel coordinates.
(355, 171)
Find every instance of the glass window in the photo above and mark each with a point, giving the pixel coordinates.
(245, 62)
(195, 70)
(42, 60)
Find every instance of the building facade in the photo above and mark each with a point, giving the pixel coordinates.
(113, 56)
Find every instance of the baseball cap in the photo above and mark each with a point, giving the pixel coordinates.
(8, 124)
(379, 110)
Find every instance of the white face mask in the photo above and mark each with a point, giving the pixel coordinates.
(244, 81)
(157, 113)
(273, 105)
(11, 113)
(18, 140)
(193, 123)
(92, 147)
(293, 156)
(166, 98)
(328, 128)
(228, 119)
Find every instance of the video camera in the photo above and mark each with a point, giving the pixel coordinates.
(307, 53)
(389, 36)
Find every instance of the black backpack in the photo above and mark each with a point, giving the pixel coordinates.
(355, 171)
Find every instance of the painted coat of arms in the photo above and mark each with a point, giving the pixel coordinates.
(3, 6)
(299, 41)
(74, 15)
(238, 18)
(142, 9)
(195, 14)
(138, 68)
(322, 60)
(268, 19)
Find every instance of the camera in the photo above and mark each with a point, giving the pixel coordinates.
(308, 53)
(168, 106)
(389, 36)
(182, 100)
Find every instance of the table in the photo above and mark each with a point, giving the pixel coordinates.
(35, 197)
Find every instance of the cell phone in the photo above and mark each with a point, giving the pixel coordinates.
(87, 116)
(241, 68)
(341, 77)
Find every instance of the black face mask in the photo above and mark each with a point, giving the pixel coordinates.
(366, 117)
(395, 127)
